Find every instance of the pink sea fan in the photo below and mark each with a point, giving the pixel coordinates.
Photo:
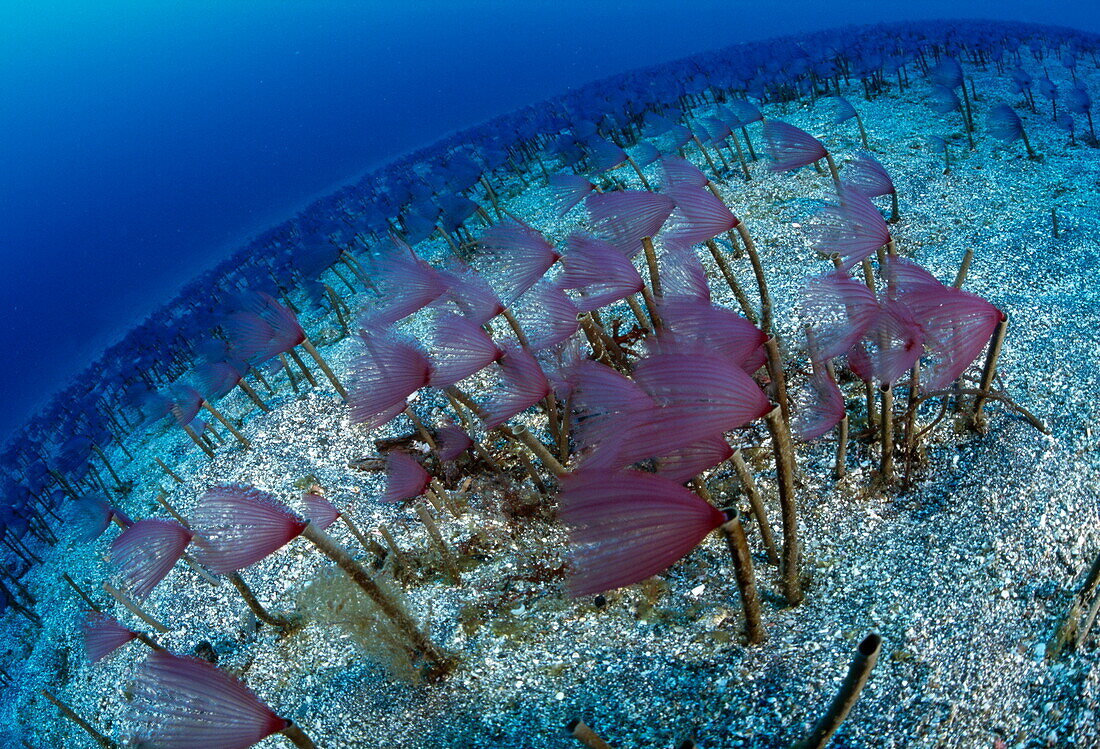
(790, 147)
(678, 172)
(548, 316)
(263, 328)
(867, 175)
(699, 216)
(186, 703)
(599, 270)
(683, 274)
(853, 228)
(407, 283)
(405, 478)
(889, 347)
(822, 408)
(319, 510)
(625, 217)
(688, 462)
(523, 384)
(567, 190)
(956, 324)
(103, 635)
(472, 295)
(515, 256)
(452, 441)
(839, 309)
(459, 349)
(390, 367)
(627, 526)
(146, 552)
(694, 320)
(236, 526)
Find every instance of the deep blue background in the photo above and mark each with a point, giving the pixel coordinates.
(142, 141)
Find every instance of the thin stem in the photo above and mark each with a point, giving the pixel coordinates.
(989, 369)
(886, 466)
(254, 604)
(858, 673)
(784, 466)
(316, 355)
(225, 422)
(133, 608)
(438, 662)
(298, 737)
(450, 564)
(756, 502)
(69, 713)
(738, 546)
(651, 262)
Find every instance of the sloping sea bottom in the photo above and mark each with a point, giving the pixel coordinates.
(966, 575)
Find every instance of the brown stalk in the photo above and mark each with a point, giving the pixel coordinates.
(738, 546)
(72, 715)
(437, 661)
(582, 733)
(450, 564)
(858, 673)
(756, 502)
(784, 466)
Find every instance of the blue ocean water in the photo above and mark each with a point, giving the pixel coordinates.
(143, 141)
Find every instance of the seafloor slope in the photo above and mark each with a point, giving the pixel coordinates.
(967, 574)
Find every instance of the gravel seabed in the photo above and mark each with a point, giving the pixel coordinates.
(966, 576)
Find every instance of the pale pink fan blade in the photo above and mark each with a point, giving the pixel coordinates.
(678, 172)
(712, 389)
(601, 398)
(523, 384)
(853, 228)
(627, 526)
(956, 324)
(890, 347)
(405, 478)
(692, 320)
(103, 636)
(459, 349)
(839, 310)
(236, 526)
(548, 316)
(452, 441)
(699, 216)
(388, 370)
(473, 296)
(567, 190)
(186, 703)
(146, 552)
(867, 175)
(623, 218)
(688, 462)
(683, 274)
(407, 283)
(515, 256)
(790, 147)
(319, 510)
(822, 408)
(599, 270)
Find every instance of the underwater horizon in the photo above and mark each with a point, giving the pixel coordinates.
(550, 375)
(145, 142)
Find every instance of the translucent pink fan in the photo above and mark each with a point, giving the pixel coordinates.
(515, 256)
(599, 270)
(146, 552)
(459, 349)
(103, 635)
(699, 216)
(852, 228)
(186, 703)
(567, 190)
(625, 217)
(390, 367)
(522, 385)
(236, 526)
(627, 526)
(405, 478)
(790, 147)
